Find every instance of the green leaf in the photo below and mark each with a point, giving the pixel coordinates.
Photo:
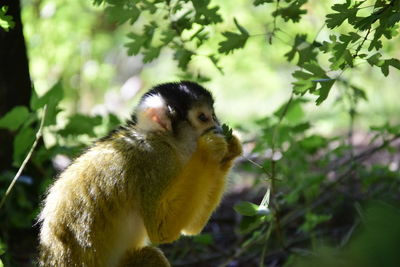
(183, 23)
(359, 93)
(22, 143)
(121, 12)
(390, 62)
(301, 128)
(2, 248)
(233, 40)
(52, 98)
(325, 88)
(312, 220)
(304, 82)
(375, 60)
(167, 36)
(226, 131)
(6, 21)
(248, 224)
(308, 80)
(344, 11)
(149, 30)
(215, 60)
(149, 5)
(205, 15)
(292, 12)
(246, 208)
(204, 239)
(80, 124)
(97, 2)
(13, 119)
(260, 2)
(313, 143)
(137, 42)
(366, 22)
(375, 44)
(143, 41)
(294, 113)
(306, 51)
(384, 64)
(342, 56)
(183, 56)
(151, 53)
(351, 37)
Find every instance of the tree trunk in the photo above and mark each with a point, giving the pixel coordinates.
(15, 83)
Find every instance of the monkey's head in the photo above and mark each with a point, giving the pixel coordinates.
(177, 107)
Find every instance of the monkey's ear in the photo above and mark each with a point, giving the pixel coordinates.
(152, 114)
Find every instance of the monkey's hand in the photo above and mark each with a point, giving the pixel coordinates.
(234, 149)
(212, 146)
(218, 149)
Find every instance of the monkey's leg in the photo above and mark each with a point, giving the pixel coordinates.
(215, 176)
(144, 257)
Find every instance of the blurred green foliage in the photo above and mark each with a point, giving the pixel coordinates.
(6, 21)
(299, 79)
(371, 245)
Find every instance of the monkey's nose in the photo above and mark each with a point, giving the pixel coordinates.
(215, 129)
(218, 129)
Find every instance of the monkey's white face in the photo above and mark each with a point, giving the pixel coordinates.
(203, 118)
(154, 114)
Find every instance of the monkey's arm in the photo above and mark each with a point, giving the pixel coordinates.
(215, 177)
(184, 196)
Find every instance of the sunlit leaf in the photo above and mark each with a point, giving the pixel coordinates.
(6, 21)
(13, 119)
(80, 124)
(52, 98)
(346, 11)
(246, 208)
(22, 143)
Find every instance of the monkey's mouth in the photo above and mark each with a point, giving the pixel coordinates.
(216, 129)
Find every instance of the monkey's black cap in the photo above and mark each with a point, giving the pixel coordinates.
(181, 96)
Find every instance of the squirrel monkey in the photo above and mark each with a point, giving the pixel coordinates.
(159, 176)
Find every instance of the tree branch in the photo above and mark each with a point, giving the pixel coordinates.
(18, 174)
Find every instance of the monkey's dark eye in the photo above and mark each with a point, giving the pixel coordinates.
(202, 117)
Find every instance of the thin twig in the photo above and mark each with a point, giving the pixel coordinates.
(274, 29)
(18, 174)
(319, 31)
(362, 43)
(275, 205)
(259, 166)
